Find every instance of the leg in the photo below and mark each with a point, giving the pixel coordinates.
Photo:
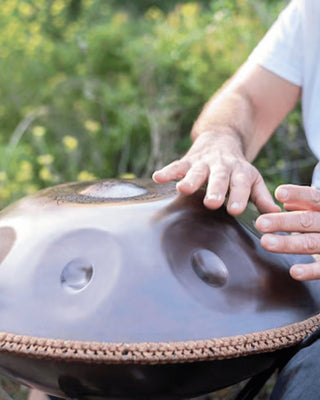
(299, 379)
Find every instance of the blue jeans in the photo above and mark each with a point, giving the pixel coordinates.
(300, 377)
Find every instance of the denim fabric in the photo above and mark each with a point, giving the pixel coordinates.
(300, 377)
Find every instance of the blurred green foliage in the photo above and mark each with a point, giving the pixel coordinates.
(93, 89)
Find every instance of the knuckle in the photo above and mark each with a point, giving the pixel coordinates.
(307, 220)
(257, 177)
(175, 164)
(178, 168)
(240, 178)
(197, 174)
(315, 195)
(219, 175)
(243, 166)
(198, 169)
(310, 243)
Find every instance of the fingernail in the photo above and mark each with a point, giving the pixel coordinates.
(298, 271)
(282, 194)
(235, 205)
(214, 196)
(272, 241)
(265, 223)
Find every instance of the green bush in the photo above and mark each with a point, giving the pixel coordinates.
(91, 90)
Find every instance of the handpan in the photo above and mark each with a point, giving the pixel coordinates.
(120, 289)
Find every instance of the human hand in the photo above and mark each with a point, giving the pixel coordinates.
(219, 161)
(303, 220)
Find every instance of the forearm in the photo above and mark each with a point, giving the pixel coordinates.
(248, 108)
(228, 114)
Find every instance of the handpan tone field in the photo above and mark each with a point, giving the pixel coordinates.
(124, 289)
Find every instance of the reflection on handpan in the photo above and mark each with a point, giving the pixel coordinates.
(126, 278)
(235, 273)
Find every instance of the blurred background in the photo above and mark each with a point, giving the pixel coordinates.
(98, 89)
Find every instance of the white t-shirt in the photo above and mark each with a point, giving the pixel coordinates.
(291, 49)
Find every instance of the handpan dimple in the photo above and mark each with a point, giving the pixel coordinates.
(118, 281)
(77, 274)
(209, 267)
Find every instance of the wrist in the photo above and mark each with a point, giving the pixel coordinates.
(223, 136)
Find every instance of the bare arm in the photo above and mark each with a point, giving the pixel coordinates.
(227, 136)
(252, 104)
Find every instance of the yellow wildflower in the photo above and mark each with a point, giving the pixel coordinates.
(70, 142)
(190, 9)
(127, 175)
(92, 126)
(120, 18)
(153, 14)
(25, 9)
(57, 7)
(8, 7)
(45, 174)
(45, 159)
(25, 172)
(38, 131)
(174, 20)
(86, 176)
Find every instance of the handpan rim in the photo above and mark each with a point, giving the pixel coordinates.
(270, 340)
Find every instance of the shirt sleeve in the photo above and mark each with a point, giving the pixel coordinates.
(280, 51)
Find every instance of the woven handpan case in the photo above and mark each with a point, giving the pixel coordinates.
(120, 289)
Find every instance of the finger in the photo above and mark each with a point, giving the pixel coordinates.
(305, 272)
(302, 243)
(295, 207)
(217, 188)
(194, 178)
(175, 170)
(296, 221)
(262, 198)
(239, 191)
(308, 197)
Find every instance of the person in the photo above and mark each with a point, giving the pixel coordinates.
(232, 128)
(239, 120)
(229, 133)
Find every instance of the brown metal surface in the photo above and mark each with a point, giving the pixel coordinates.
(131, 261)
(139, 265)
